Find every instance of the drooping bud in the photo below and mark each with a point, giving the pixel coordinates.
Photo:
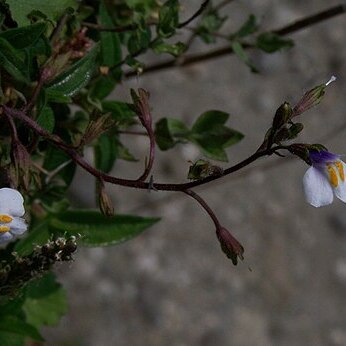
(311, 98)
(229, 245)
(301, 150)
(105, 202)
(141, 106)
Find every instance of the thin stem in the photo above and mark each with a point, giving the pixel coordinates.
(205, 206)
(195, 15)
(77, 158)
(150, 163)
(288, 29)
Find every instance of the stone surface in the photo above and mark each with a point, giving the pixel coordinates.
(172, 285)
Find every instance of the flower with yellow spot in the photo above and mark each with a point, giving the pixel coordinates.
(11, 211)
(324, 179)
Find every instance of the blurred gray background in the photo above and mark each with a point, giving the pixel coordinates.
(172, 285)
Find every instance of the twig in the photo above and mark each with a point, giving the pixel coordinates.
(78, 159)
(195, 15)
(288, 29)
(205, 206)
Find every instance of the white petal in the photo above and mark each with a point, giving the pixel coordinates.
(340, 190)
(11, 202)
(18, 226)
(5, 237)
(318, 191)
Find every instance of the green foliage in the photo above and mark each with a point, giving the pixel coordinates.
(270, 42)
(208, 132)
(94, 229)
(209, 25)
(52, 10)
(168, 18)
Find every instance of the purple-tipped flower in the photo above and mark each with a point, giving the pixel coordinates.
(229, 245)
(324, 178)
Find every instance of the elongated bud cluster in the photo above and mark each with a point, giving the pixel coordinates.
(19, 270)
(229, 245)
(21, 160)
(96, 127)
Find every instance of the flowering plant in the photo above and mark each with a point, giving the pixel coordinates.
(60, 63)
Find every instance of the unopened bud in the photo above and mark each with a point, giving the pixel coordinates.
(21, 160)
(282, 115)
(311, 98)
(97, 127)
(141, 106)
(105, 202)
(202, 169)
(300, 150)
(229, 245)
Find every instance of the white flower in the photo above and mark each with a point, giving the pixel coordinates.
(324, 178)
(11, 210)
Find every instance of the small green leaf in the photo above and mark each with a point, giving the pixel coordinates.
(10, 60)
(25, 36)
(123, 153)
(139, 39)
(76, 77)
(270, 42)
(210, 23)
(168, 18)
(46, 119)
(241, 54)
(53, 10)
(212, 136)
(12, 324)
(120, 110)
(95, 229)
(105, 153)
(45, 303)
(110, 42)
(174, 49)
(101, 87)
(11, 339)
(169, 132)
(248, 28)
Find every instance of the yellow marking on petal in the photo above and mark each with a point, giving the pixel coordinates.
(5, 218)
(4, 229)
(333, 177)
(341, 171)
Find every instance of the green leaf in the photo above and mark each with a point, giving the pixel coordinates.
(248, 28)
(76, 77)
(46, 119)
(45, 303)
(241, 54)
(168, 18)
(11, 62)
(139, 39)
(95, 229)
(11, 339)
(54, 158)
(210, 23)
(175, 49)
(25, 36)
(169, 132)
(123, 153)
(105, 153)
(212, 136)
(53, 10)
(270, 42)
(12, 324)
(120, 110)
(101, 87)
(110, 42)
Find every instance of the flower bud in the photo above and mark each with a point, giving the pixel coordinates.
(311, 98)
(21, 160)
(105, 202)
(96, 127)
(282, 115)
(141, 106)
(229, 245)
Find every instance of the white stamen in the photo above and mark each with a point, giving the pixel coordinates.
(331, 80)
